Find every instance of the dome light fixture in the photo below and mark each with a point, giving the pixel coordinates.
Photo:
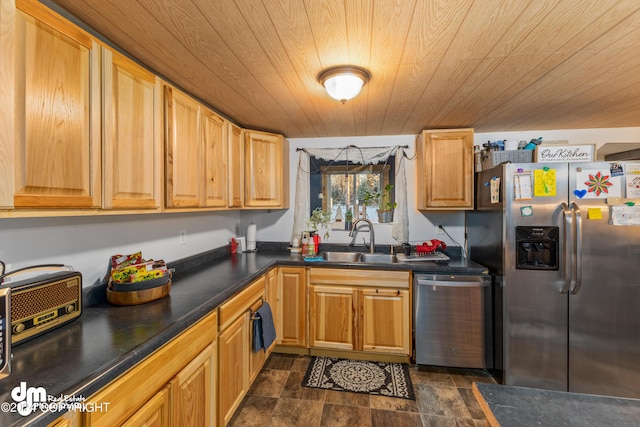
(344, 82)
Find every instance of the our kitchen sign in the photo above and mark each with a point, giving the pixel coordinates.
(565, 153)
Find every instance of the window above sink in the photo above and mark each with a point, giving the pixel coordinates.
(338, 185)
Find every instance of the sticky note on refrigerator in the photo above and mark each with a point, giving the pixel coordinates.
(594, 213)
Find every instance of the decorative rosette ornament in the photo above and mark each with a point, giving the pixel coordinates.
(598, 184)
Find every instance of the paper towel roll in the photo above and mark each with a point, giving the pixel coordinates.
(251, 237)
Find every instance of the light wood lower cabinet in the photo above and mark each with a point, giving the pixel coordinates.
(291, 324)
(346, 314)
(332, 317)
(238, 363)
(70, 419)
(155, 413)
(234, 366)
(192, 391)
(383, 322)
(185, 367)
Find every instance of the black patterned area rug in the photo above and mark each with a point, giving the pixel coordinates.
(359, 376)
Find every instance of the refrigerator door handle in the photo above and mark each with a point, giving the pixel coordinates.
(577, 284)
(568, 247)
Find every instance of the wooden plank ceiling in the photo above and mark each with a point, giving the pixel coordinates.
(494, 65)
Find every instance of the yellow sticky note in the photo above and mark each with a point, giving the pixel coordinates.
(595, 213)
(544, 182)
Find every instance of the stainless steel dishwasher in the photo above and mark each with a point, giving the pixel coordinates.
(452, 320)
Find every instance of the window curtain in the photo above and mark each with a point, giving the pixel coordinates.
(359, 155)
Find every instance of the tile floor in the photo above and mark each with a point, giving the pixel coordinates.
(277, 398)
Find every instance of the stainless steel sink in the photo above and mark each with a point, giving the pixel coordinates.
(341, 256)
(360, 257)
(378, 258)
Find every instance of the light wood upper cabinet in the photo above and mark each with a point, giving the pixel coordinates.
(445, 169)
(184, 177)
(132, 134)
(52, 141)
(236, 166)
(215, 159)
(266, 176)
(196, 153)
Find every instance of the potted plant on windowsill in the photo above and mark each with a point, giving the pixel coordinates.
(385, 205)
(320, 220)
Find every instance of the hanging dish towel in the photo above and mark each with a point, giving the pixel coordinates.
(264, 331)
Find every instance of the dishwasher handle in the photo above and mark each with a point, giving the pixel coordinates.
(447, 282)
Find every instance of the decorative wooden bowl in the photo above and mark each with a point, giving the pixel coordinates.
(118, 296)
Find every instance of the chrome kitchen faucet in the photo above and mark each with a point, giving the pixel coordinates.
(371, 233)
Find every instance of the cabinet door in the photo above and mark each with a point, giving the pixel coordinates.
(215, 159)
(132, 138)
(236, 166)
(445, 169)
(384, 321)
(272, 296)
(57, 112)
(191, 398)
(256, 358)
(183, 150)
(332, 317)
(70, 419)
(291, 328)
(264, 174)
(155, 413)
(233, 372)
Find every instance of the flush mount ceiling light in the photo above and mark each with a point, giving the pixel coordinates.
(344, 82)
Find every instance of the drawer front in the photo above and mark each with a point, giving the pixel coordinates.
(368, 278)
(239, 304)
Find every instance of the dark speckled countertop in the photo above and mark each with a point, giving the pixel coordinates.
(80, 358)
(508, 406)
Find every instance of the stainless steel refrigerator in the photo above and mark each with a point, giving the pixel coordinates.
(567, 273)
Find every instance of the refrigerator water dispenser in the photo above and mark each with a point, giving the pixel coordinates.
(537, 248)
